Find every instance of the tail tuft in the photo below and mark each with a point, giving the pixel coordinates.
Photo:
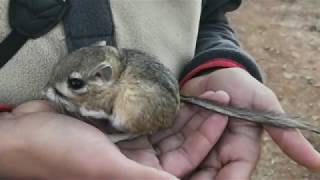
(264, 118)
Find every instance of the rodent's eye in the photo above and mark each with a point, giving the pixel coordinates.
(76, 83)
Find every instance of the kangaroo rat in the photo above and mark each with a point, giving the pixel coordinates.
(129, 92)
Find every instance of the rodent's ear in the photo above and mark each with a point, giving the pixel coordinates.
(114, 51)
(103, 72)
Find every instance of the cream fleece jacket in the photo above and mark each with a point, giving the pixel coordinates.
(166, 29)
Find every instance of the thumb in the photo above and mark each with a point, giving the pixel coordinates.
(296, 146)
(290, 141)
(133, 170)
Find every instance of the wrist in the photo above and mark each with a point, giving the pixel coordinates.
(209, 67)
(231, 70)
(5, 108)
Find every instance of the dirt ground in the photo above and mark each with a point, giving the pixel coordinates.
(284, 37)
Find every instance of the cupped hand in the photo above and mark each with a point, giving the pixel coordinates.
(181, 149)
(236, 154)
(36, 142)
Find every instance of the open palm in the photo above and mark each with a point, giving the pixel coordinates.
(201, 145)
(205, 145)
(237, 152)
(181, 149)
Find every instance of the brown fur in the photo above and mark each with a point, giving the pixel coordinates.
(142, 95)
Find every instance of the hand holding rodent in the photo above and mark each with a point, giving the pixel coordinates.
(71, 149)
(39, 143)
(133, 92)
(218, 80)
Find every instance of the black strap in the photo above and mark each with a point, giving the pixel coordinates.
(87, 22)
(10, 46)
(30, 19)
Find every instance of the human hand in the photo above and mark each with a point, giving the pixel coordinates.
(236, 154)
(180, 149)
(36, 142)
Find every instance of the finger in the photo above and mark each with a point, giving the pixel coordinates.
(33, 106)
(234, 161)
(194, 148)
(239, 146)
(295, 145)
(204, 174)
(171, 143)
(202, 114)
(141, 142)
(196, 144)
(291, 141)
(208, 169)
(117, 166)
(134, 170)
(214, 167)
(186, 114)
(236, 170)
(141, 151)
(145, 157)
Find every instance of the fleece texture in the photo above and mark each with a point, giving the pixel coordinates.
(166, 29)
(23, 77)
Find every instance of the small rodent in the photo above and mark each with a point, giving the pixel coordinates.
(127, 92)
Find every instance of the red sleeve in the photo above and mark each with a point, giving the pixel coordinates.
(5, 108)
(215, 63)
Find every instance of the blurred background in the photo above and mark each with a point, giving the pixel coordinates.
(284, 37)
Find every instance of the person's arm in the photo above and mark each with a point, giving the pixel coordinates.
(220, 64)
(38, 143)
(4, 108)
(217, 44)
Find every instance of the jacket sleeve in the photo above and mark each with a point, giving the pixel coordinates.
(5, 108)
(217, 44)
